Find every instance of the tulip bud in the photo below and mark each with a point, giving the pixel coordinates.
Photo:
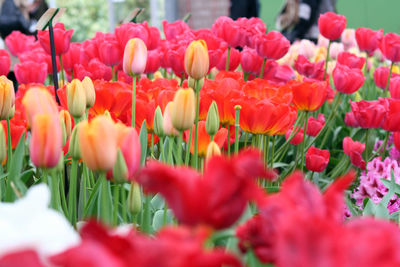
(134, 199)
(63, 133)
(120, 170)
(65, 119)
(135, 57)
(60, 165)
(196, 59)
(7, 98)
(74, 150)
(167, 124)
(183, 109)
(158, 75)
(76, 98)
(212, 150)
(191, 83)
(3, 145)
(158, 122)
(212, 122)
(107, 114)
(89, 91)
(357, 96)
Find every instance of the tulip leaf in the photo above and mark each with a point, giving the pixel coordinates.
(143, 143)
(157, 202)
(91, 204)
(161, 218)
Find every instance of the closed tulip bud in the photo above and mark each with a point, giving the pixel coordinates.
(135, 57)
(3, 145)
(158, 122)
(65, 119)
(76, 98)
(158, 75)
(120, 170)
(134, 199)
(60, 165)
(98, 143)
(167, 123)
(74, 149)
(89, 91)
(46, 141)
(212, 150)
(183, 109)
(212, 122)
(191, 83)
(63, 133)
(196, 59)
(7, 98)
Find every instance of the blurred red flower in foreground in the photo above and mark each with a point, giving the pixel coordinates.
(227, 185)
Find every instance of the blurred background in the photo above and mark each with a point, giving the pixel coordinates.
(87, 17)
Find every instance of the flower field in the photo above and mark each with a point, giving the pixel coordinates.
(227, 146)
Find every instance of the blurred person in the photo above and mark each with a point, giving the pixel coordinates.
(244, 8)
(299, 18)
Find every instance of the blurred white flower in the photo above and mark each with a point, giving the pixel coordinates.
(29, 223)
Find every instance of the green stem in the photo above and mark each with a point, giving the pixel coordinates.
(9, 149)
(303, 143)
(311, 176)
(104, 205)
(246, 76)
(366, 146)
(114, 76)
(187, 153)
(227, 58)
(152, 146)
(123, 202)
(72, 192)
(262, 68)
(53, 182)
(179, 151)
(116, 203)
(229, 140)
(237, 129)
(266, 149)
(196, 122)
(146, 226)
(165, 214)
(388, 80)
(326, 60)
(161, 148)
(133, 100)
(246, 137)
(170, 147)
(273, 151)
(62, 70)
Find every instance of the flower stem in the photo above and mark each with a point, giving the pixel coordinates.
(229, 140)
(104, 201)
(116, 202)
(388, 80)
(147, 215)
(303, 143)
(326, 60)
(9, 150)
(62, 70)
(72, 192)
(196, 122)
(123, 202)
(262, 68)
(179, 151)
(187, 153)
(114, 76)
(237, 129)
(133, 100)
(227, 58)
(170, 147)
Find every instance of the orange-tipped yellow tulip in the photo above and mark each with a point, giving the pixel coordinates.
(196, 59)
(167, 123)
(76, 98)
(7, 98)
(183, 109)
(98, 143)
(46, 141)
(38, 101)
(135, 57)
(90, 93)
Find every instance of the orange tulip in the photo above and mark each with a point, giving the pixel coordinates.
(46, 141)
(7, 98)
(76, 98)
(196, 59)
(183, 109)
(98, 143)
(309, 95)
(38, 101)
(135, 57)
(204, 138)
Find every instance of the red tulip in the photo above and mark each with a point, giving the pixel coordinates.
(74, 56)
(17, 128)
(153, 61)
(110, 52)
(298, 138)
(314, 125)
(381, 76)
(174, 29)
(176, 57)
(62, 39)
(331, 25)
(19, 43)
(390, 47)
(39, 55)
(308, 69)
(392, 120)
(317, 159)
(347, 80)
(234, 60)
(30, 72)
(5, 62)
(227, 184)
(354, 149)
(21, 257)
(394, 87)
(309, 95)
(131, 30)
(250, 61)
(396, 140)
(95, 70)
(368, 40)
(350, 120)
(369, 114)
(272, 45)
(350, 60)
(228, 30)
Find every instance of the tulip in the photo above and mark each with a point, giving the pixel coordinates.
(297, 138)
(98, 143)
(7, 98)
(212, 122)
(109, 52)
(250, 61)
(46, 141)
(368, 40)
(390, 47)
(308, 69)
(350, 60)
(90, 93)
(228, 30)
(5, 62)
(212, 150)
(350, 120)
(396, 140)
(153, 62)
(168, 128)
(65, 119)
(381, 75)
(317, 159)
(158, 122)
(19, 43)
(30, 72)
(331, 25)
(183, 109)
(348, 39)
(234, 60)
(62, 39)
(196, 59)
(354, 149)
(272, 45)
(369, 114)
(135, 56)
(73, 148)
(76, 98)
(392, 118)
(309, 95)
(174, 29)
(347, 80)
(315, 125)
(3, 145)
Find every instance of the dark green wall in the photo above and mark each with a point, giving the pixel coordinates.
(373, 14)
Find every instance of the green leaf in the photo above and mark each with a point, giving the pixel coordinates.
(157, 202)
(91, 204)
(15, 170)
(158, 219)
(143, 143)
